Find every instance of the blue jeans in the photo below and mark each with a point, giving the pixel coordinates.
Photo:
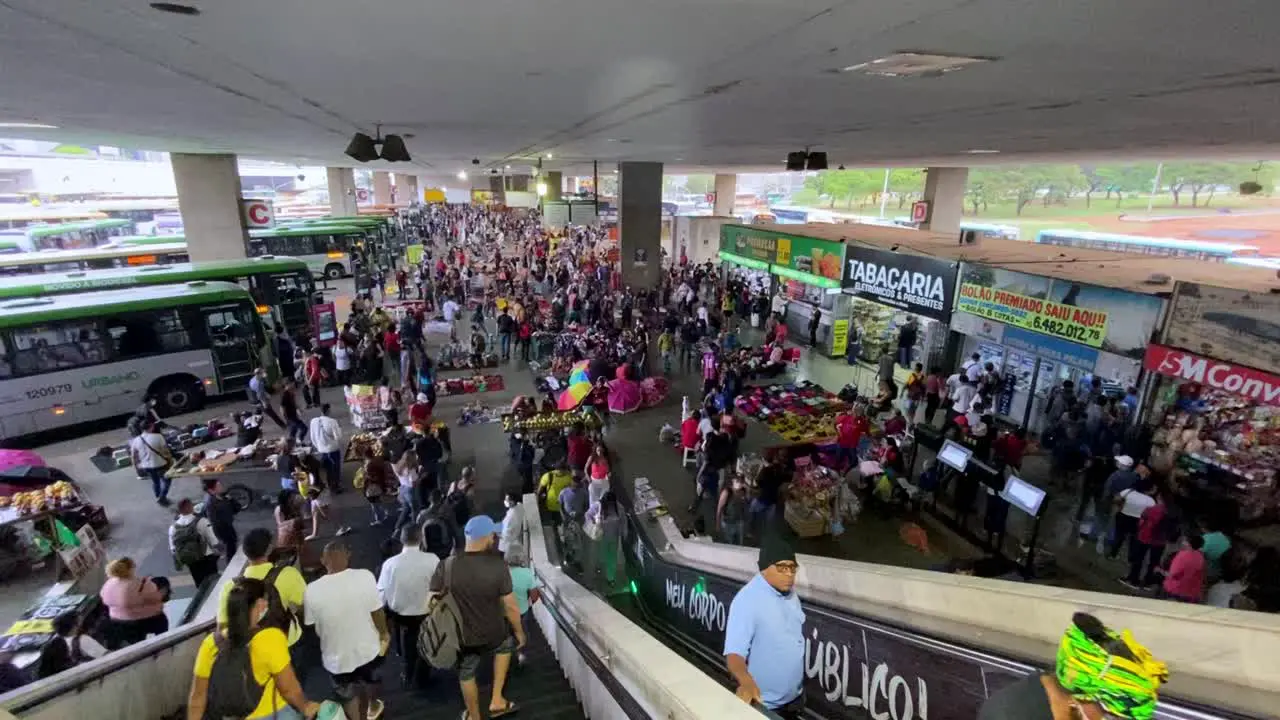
(159, 483)
(732, 532)
(332, 464)
(504, 342)
(408, 506)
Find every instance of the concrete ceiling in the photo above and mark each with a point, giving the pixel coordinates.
(693, 83)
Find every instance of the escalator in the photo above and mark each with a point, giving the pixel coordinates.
(855, 667)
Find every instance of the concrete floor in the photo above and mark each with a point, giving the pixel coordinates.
(139, 526)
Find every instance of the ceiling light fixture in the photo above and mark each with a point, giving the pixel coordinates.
(508, 167)
(915, 64)
(550, 156)
(462, 174)
(981, 151)
(175, 8)
(27, 126)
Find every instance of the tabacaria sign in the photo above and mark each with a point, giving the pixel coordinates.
(1253, 384)
(851, 668)
(921, 285)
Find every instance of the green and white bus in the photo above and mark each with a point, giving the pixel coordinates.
(327, 250)
(68, 359)
(281, 288)
(76, 235)
(52, 261)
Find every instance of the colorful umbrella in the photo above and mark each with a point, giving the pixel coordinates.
(579, 373)
(573, 396)
(624, 396)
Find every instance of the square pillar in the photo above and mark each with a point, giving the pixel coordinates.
(640, 222)
(381, 187)
(944, 191)
(554, 181)
(342, 192)
(726, 191)
(407, 189)
(209, 200)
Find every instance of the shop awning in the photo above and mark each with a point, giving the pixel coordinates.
(744, 262)
(804, 277)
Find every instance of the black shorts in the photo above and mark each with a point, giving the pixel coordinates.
(367, 674)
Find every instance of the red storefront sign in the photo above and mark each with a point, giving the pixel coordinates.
(1256, 385)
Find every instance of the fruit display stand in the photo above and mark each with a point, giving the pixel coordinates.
(550, 421)
(32, 505)
(365, 404)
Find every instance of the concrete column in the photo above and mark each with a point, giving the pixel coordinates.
(381, 187)
(342, 192)
(640, 222)
(944, 191)
(209, 200)
(726, 191)
(555, 184)
(407, 189)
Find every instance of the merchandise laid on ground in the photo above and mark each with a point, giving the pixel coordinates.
(801, 413)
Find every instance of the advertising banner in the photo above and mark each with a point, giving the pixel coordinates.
(1260, 387)
(1116, 321)
(808, 259)
(1226, 324)
(852, 668)
(1051, 348)
(921, 285)
(1087, 327)
(839, 337)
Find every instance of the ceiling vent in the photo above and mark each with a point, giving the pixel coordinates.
(915, 64)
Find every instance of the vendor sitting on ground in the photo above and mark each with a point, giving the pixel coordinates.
(775, 366)
(888, 393)
(897, 424)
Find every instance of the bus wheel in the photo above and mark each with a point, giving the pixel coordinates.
(334, 271)
(177, 395)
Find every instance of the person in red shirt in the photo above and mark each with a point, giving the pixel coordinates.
(849, 431)
(895, 425)
(1185, 579)
(689, 436)
(420, 411)
(579, 446)
(1010, 448)
(314, 374)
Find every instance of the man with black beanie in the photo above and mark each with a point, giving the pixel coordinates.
(764, 638)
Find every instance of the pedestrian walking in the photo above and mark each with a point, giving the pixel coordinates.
(326, 440)
(764, 637)
(403, 582)
(478, 581)
(346, 609)
(193, 544)
(152, 458)
(221, 510)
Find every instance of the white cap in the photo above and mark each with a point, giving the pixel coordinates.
(1124, 462)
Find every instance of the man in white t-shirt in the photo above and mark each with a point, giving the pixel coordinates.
(1132, 503)
(450, 310)
(346, 609)
(151, 457)
(326, 440)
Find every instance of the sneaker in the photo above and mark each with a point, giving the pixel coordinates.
(344, 530)
(375, 710)
(163, 502)
(1125, 582)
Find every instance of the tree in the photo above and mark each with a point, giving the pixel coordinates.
(906, 184)
(985, 186)
(1199, 177)
(700, 184)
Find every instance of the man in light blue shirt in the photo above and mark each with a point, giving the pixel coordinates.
(764, 638)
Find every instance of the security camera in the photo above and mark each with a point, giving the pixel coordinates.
(475, 161)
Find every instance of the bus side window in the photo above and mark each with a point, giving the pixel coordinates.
(57, 346)
(148, 333)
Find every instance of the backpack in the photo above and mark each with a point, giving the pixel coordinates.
(278, 616)
(440, 635)
(233, 690)
(188, 544)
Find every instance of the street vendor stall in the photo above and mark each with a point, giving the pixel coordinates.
(40, 510)
(799, 412)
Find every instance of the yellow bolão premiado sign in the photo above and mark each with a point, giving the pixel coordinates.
(1077, 324)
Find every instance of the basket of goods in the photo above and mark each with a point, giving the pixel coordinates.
(812, 494)
(807, 522)
(51, 497)
(359, 444)
(749, 467)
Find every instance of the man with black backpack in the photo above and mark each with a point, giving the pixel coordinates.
(506, 326)
(193, 544)
(285, 585)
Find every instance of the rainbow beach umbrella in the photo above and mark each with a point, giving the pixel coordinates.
(572, 397)
(579, 373)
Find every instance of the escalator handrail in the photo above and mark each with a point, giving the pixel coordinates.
(81, 676)
(630, 707)
(1007, 661)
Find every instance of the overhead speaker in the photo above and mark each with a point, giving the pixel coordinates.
(795, 161)
(816, 161)
(362, 148)
(393, 149)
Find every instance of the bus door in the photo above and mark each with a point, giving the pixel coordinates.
(231, 342)
(289, 297)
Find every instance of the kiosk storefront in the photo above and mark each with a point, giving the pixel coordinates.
(1215, 412)
(807, 272)
(885, 291)
(1039, 331)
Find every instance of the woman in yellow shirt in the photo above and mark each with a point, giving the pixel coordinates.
(282, 696)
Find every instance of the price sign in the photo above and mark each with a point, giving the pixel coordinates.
(839, 337)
